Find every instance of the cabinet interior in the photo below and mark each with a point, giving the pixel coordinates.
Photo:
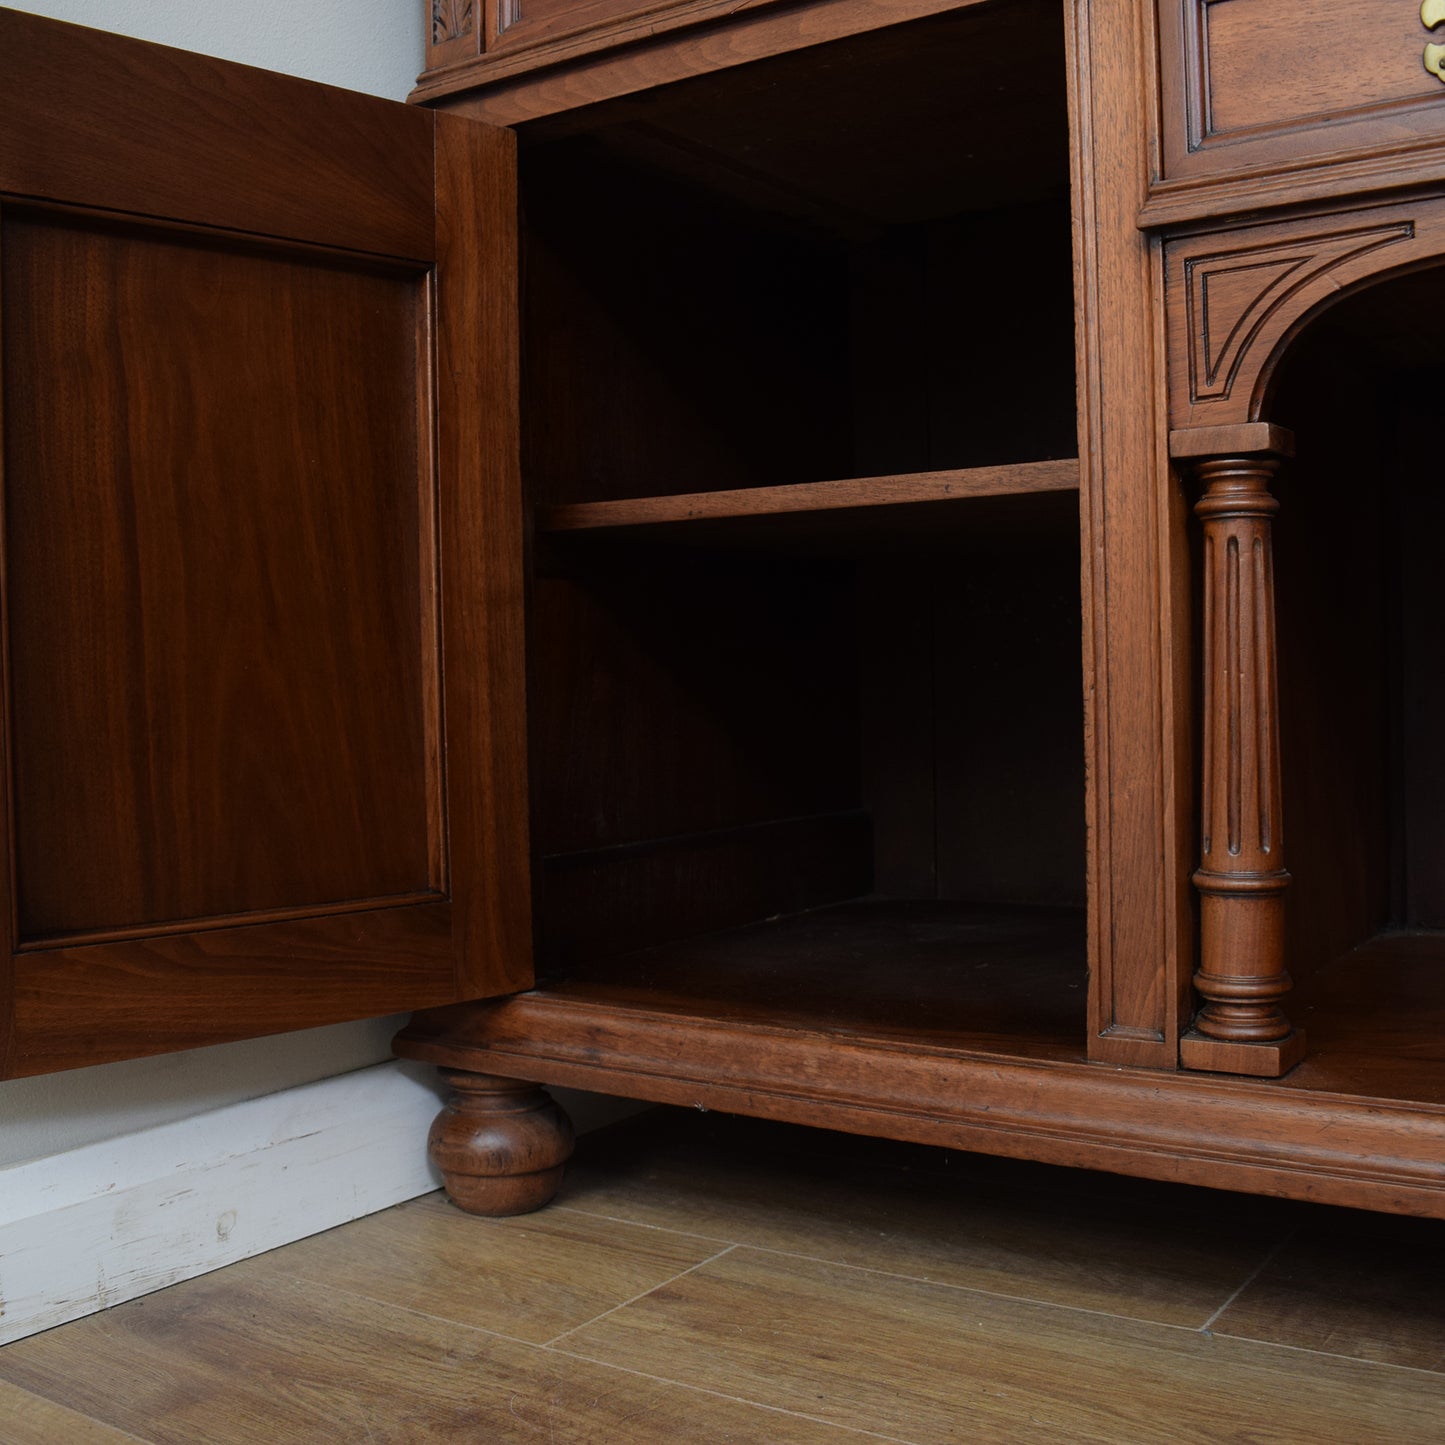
(1362, 692)
(826, 747)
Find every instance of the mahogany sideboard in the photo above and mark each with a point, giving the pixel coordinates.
(600, 556)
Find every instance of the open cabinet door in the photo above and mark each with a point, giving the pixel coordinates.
(264, 756)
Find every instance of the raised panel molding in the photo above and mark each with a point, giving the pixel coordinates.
(1232, 294)
(1234, 300)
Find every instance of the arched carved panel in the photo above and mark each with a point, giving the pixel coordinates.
(1235, 299)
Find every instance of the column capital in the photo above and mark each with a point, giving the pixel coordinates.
(1244, 439)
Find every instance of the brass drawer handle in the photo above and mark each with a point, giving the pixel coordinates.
(1432, 13)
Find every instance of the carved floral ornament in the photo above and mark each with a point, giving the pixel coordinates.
(1432, 13)
(450, 20)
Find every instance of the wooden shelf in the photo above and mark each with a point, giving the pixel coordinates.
(858, 495)
(965, 1027)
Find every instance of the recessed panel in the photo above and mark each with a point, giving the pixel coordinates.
(219, 610)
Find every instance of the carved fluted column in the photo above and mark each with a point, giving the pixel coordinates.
(1241, 980)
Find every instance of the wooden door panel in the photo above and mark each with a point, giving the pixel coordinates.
(143, 128)
(219, 619)
(240, 540)
(181, 990)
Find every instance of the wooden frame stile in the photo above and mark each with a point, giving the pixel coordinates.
(484, 539)
(1135, 564)
(8, 938)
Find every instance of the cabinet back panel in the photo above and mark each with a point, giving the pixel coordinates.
(962, 342)
(211, 643)
(729, 736)
(696, 723)
(685, 694)
(973, 768)
(671, 343)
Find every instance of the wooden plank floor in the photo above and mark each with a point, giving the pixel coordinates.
(711, 1279)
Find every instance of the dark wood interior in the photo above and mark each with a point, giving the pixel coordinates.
(780, 285)
(923, 972)
(1360, 613)
(1361, 608)
(747, 287)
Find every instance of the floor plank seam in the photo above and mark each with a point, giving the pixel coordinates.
(1329, 1355)
(734, 1399)
(1023, 1299)
(641, 1294)
(1208, 1326)
(639, 1224)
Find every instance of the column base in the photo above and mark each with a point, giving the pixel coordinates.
(1259, 1061)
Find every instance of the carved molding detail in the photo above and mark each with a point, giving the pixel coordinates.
(1241, 876)
(450, 20)
(1231, 295)
(508, 13)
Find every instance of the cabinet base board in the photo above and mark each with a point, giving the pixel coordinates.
(1253, 1135)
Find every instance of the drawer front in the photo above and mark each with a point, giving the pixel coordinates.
(1250, 84)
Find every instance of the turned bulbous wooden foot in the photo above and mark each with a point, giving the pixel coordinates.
(500, 1144)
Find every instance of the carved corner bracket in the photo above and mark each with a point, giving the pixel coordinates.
(1235, 297)
(1231, 295)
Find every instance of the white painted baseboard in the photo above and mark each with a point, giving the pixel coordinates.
(89, 1228)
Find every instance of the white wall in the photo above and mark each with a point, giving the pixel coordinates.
(371, 45)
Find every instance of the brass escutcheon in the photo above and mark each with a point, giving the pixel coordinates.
(1432, 13)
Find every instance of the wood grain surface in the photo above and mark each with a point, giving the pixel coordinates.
(1011, 1369)
(481, 553)
(321, 1363)
(98, 119)
(216, 603)
(531, 1279)
(1136, 567)
(1246, 122)
(34, 1420)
